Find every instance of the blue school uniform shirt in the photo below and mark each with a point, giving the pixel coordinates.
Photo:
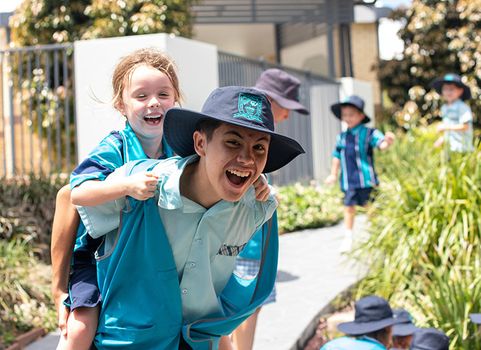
(349, 343)
(116, 149)
(354, 148)
(458, 112)
(204, 243)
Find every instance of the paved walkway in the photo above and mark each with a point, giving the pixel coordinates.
(311, 274)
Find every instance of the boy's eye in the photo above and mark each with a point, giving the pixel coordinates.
(233, 143)
(260, 148)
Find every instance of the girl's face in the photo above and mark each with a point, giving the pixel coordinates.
(145, 99)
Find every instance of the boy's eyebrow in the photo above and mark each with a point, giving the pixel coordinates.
(240, 136)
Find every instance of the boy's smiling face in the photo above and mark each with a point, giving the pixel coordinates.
(351, 116)
(231, 160)
(451, 92)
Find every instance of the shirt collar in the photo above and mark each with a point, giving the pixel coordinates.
(372, 340)
(169, 191)
(355, 130)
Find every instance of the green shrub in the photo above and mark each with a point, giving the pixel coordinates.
(25, 301)
(425, 226)
(302, 207)
(26, 211)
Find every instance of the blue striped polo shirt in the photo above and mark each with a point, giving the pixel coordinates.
(354, 148)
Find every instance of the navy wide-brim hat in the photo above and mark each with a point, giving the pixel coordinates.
(407, 327)
(372, 314)
(353, 101)
(429, 339)
(451, 78)
(241, 106)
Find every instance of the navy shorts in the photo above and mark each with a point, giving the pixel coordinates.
(83, 287)
(359, 196)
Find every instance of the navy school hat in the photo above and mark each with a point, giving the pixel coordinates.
(405, 328)
(429, 339)
(451, 78)
(372, 313)
(281, 87)
(475, 318)
(241, 106)
(354, 101)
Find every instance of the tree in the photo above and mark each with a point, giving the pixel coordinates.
(439, 37)
(58, 21)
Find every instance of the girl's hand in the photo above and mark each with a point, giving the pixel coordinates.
(141, 186)
(262, 188)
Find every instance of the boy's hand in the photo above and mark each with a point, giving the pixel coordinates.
(439, 142)
(330, 180)
(389, 137)
(262, 188)
(141, 186)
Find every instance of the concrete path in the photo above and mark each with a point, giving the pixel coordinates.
(311, 274)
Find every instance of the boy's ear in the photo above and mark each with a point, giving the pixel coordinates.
(200, 142)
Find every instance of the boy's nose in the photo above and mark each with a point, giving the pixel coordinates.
(246, 157)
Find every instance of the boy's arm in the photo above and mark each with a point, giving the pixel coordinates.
(65, 224)
(454, 127)
(335, 166)
(389, 138)
(93, 192)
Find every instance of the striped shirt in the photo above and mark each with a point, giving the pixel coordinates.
(354, 148)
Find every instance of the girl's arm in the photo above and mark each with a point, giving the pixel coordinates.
(454, 127)
(92, 192)
(64, 228)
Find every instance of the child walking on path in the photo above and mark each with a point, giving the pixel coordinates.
(457, 124)
(165, 275)
(354, 156)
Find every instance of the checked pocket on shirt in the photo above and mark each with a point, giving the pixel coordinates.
(230, 250)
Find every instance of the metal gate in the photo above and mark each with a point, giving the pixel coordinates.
(37, 131)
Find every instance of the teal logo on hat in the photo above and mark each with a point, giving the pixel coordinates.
(449, 77)
(249, 107)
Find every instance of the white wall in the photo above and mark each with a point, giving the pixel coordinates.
(248, 40)
(310, 55)
(325, 127)
(94, 64)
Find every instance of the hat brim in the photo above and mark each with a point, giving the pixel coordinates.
(180, 124)
(360, 328)
(286, 103)
(336, 110)
(475, 318)
(403, 329)
(438, 86)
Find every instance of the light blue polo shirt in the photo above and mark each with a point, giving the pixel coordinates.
(349, 343)
(205, 242)
(457, 113)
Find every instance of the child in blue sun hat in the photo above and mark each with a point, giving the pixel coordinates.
(354, 157)
(457, 123)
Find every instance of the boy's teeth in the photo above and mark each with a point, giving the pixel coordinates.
(239, 173)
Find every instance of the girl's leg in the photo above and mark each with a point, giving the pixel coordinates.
(225, 343)
(81, 328)
(243, 336)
